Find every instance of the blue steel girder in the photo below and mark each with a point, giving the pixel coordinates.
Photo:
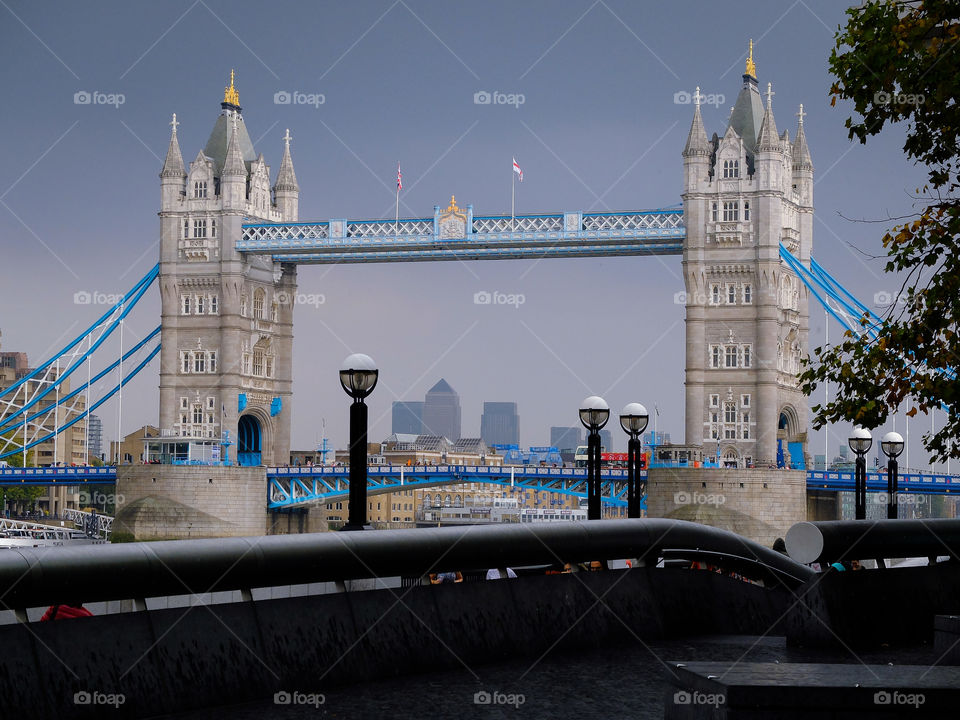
(287, 486)
(568, 234)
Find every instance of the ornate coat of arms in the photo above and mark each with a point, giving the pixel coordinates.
(453, 222)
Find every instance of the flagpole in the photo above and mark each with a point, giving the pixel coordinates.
(513, 194)
(396, 226)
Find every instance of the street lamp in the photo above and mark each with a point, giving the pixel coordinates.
(594, 413)
(892, 445)
(860, 442)
(358, 376)
(633, 419)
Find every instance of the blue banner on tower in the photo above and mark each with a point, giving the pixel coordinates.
(276, 405)
(241, 402)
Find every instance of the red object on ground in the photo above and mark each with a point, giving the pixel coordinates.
(63, 612)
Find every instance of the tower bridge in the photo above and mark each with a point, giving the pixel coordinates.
(231, 244)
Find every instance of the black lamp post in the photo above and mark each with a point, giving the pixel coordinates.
(860, 442)
(358, 375)
(633, 420)
(594, 413)
(892, 445)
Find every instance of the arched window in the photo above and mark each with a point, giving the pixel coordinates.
(446, 501)
(259, 296)
(427, 500)
(458, 501)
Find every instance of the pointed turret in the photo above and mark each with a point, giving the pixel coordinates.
(286, 177)
(233, 165)
(747, 113)
(173, 165)
(801, 153)
(287, 191)
(697, 143)
(768, 140)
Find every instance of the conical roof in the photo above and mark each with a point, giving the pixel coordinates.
(697, 143)
(233, 163)
(768, 139)
(286, 177)
(173, 164)
(216, 147)
(747, 115)
(801, 153)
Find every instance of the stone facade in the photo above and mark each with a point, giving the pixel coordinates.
(227, 319)
(747, 314)
(176, 502)
(758, 504)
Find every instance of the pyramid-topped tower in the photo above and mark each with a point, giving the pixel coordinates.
(746, 192)
(227, 325)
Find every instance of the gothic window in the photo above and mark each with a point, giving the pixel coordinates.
(729, 412)
(199, 228)
(183, 402)
(731, 294)
(731, 168)
(715, 295)
(199, 362)
(714, 401)
(197, 414)
(211, 403)
(746, 209)
(258, 299)
(730, 433)
(713, 212)
(715, 356)
(731, 356)
(731, 211)
(745, 401)
(246, 363)
(747, 295)
(186, 228)
(200, 189)
(747, 360)
(212, 362)
(186, 304)
(715, 432)
(214, 309)
(274, 311)
(243, 305)
(213, 227)
(268, 366)
(184, 361)
(199, 304)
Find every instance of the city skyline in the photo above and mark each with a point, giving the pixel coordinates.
(80, 185)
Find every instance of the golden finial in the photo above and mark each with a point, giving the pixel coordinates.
(230, 94)
(452, 207)
(751, 66)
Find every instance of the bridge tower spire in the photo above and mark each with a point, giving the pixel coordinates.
(747, 319)
(236, 384)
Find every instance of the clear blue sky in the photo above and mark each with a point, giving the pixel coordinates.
(599, 128)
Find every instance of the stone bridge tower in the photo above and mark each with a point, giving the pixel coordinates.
(227, 319)
(746, 313)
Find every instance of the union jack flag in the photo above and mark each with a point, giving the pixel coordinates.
(399, 178)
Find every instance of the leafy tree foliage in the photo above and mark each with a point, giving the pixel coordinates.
(898, 63)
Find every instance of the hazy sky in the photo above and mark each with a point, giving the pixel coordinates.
(599, 128)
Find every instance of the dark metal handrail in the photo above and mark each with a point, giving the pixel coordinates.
(38, 577)
(836, 540)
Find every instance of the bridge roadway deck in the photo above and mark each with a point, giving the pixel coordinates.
(322, 482)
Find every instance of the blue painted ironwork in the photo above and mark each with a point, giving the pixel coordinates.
(494, 237)
(249, 441)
